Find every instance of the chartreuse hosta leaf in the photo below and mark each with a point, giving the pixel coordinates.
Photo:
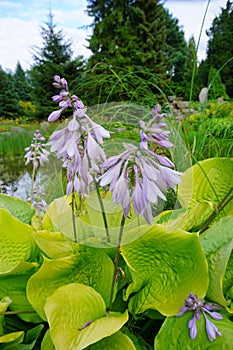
(54, 244)
(174, 334)
(16, 242)
(187, 218)
(89, 220)
(208, 180)
(93, 268)
(77, 317)
(165, 267)
(18, 208)
(217, 243)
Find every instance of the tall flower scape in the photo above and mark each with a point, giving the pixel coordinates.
(137, 173)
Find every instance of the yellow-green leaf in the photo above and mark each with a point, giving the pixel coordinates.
(77, 317)
(165, 267)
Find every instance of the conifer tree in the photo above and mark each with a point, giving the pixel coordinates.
(138, 36)
(220, 46)
(55, 57)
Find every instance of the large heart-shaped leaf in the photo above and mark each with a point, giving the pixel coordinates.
(174, 334)
(16, 242)
(18, 208)
(217, 243)
(208, 180)
(77, 317)
(93, 268)
(165, 266)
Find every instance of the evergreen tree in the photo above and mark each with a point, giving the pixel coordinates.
(190, 65)
(21, 83)
(130, 35)
(9, 107)
(53, 58)
(176, 49)
(220, 46)
(217, 88)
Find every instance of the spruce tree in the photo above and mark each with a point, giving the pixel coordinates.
(55, 57)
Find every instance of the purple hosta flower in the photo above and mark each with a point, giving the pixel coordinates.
(192, 303)
(78, 144)
(36, 152)
(136, 172)
(153, 131)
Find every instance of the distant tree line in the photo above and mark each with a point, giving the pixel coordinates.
(134, 42)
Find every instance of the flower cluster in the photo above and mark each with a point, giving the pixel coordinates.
(78, 144)
(140, 172)
(36, 152)
(37, 200)
(192, 303)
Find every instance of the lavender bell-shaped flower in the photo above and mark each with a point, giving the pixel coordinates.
(192, 303)
(78, 144)
(36, 152)
(151, 173)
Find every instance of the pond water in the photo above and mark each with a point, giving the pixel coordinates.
(15, 177)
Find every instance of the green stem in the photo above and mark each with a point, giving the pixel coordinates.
(116, 261)
(73, 217)
(102, 209)
(17, 312)
(227, 199)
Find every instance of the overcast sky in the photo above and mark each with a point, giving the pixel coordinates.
(20, 22)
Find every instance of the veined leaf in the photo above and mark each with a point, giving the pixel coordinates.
(93, 268)
(77, 317)
(208, 180)
(174, 334)
(17, 208)
(16, 242)
(217, 243)
(165, 266)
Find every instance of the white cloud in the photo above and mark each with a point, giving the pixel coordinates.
(191, 14)
(17, 37)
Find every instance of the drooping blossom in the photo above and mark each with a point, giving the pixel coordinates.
(198, 307)
(141, 173)
(79, 143)
(36, 152)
